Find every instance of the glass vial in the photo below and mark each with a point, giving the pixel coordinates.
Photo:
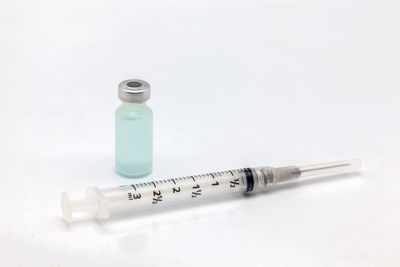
(134, 130)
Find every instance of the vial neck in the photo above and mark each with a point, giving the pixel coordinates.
(129, 104)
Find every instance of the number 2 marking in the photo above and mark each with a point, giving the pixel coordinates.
(176, 190)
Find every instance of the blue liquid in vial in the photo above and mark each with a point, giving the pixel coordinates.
(133, 140)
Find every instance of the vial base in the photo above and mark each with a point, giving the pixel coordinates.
(136, 170)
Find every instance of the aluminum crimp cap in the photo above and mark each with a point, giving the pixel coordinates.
(134, 91)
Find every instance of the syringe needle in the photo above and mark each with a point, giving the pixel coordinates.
(323, 168)
(330, 167)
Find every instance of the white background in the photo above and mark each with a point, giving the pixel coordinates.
(234, 84)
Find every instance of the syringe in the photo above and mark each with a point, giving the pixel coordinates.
(102, 203)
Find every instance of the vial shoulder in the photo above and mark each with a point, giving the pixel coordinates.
(133, 111)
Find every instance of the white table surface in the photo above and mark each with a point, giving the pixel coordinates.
(234, 84)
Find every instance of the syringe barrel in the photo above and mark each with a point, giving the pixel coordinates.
(177, 190)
